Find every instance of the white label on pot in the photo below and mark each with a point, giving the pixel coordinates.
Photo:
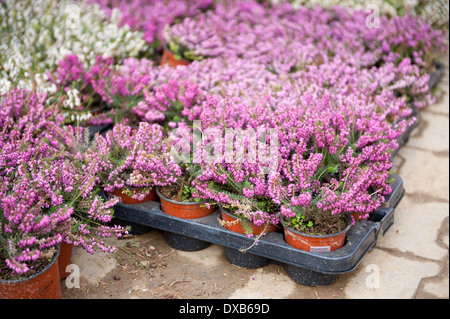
(320, 249)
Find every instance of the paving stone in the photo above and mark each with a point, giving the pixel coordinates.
(208, 257)
(436, 135)
(425, 173)
(442, 102)
(93, 267)
(262, 285)
(439, 288)
(382, 275)
(445, 240)
(442, 96)
(416, 228)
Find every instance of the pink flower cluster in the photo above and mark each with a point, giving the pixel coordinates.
(170, 103)
(128, 157)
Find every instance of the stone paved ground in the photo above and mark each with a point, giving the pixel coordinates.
(410, 261)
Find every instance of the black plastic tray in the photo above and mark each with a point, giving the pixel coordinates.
(437, 75)
(303, 267)
(94, 129)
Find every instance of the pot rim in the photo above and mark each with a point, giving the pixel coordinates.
(178, 203)
(347, 217)
(54, 260)
(132, 188)
(98, 108)
(223, 210)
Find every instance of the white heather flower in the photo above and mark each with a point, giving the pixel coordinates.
(36, 34)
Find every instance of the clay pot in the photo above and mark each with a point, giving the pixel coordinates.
(188, 210)
(64, 259)
(234, 225)
(43, 285)
(125, 199)
(316, 243)
(169, 58)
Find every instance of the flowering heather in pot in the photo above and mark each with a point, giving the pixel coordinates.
(220, 31)
(236, 172)
(47, 192)
(117, 85)
(128, 158)
(333, 162)
(72, 80)
(171, 103)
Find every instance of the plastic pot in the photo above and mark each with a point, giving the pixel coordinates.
(235, 256)
(169, 58)
(185, 243)
(43, 285)
(234, 225)
(188, 210)
(64, 259)
(316, 243)
(125, 199)
(245, 259)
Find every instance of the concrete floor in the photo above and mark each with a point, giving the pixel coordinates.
(409, 262)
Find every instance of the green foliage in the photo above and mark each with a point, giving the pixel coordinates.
(298, 222)
(186, 194)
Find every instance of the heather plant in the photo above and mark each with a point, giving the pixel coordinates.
(48, 188)
(133, 158)
(114, 87)
(236, 171)
(333, 163)
(221, 31)
(171, 103)
(72, 80)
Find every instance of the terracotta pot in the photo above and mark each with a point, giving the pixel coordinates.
(169, 58)
(64, 259)
(189, 210)
(316, 243)
(236, 226)
(125, 199)
(43, 285)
